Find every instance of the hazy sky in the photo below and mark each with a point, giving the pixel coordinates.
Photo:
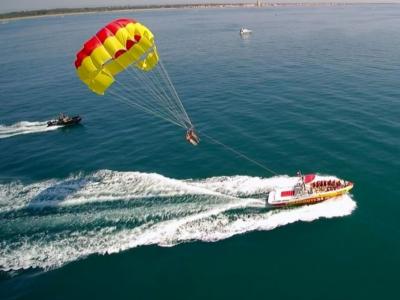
(12, 5)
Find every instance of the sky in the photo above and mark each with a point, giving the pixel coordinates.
(17, 5)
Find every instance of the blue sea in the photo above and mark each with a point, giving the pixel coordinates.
(122, 207)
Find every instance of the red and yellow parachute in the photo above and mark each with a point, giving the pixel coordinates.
(126, 45)
(115, 47)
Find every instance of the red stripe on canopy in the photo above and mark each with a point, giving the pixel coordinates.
(97, 40)
(103, 34)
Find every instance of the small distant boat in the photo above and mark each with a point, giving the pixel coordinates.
(309, 188)
(64, 120)
(245, 31)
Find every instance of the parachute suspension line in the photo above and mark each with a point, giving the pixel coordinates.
(164, 74)
(154, 84)
(156, 78)
(157, 107)
(152, 89)
(174, 91)
(151, 86)
(148, 111)
(215, 141)
(146, 106)
(157, 83)
(174, 102)
(120, 96)
(173, 95)
(127, 101)
(128, 94)
(149, 107)
(180, 111)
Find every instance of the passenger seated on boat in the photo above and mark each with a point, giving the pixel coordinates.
(63, 118)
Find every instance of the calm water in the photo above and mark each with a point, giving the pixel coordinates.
(122, 207)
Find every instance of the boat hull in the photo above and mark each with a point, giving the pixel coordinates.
(73, 121)
(275, 200)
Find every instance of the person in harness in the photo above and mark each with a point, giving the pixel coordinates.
(192, 137)
(62, 118)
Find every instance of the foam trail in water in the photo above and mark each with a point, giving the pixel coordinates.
(50, 223)
(24, 127)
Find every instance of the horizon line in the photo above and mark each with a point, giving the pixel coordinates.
(33, 13)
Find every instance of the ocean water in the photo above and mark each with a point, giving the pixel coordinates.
(122, 207)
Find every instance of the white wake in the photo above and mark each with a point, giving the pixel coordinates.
(50, 223)
(24, 127)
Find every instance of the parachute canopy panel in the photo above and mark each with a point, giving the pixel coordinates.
(115, 47)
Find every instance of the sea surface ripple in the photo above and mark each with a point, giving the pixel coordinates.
(313, 89)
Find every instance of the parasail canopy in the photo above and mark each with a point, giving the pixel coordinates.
(125, 45)
(111, 50)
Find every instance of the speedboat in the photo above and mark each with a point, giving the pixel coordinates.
(64, 121)
(244, 31)
(310, 188)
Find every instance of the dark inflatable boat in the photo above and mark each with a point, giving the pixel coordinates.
(65, 121)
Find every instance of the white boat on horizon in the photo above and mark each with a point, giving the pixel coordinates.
(245, 31)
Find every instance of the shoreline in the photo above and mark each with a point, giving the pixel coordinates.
(34, 14)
